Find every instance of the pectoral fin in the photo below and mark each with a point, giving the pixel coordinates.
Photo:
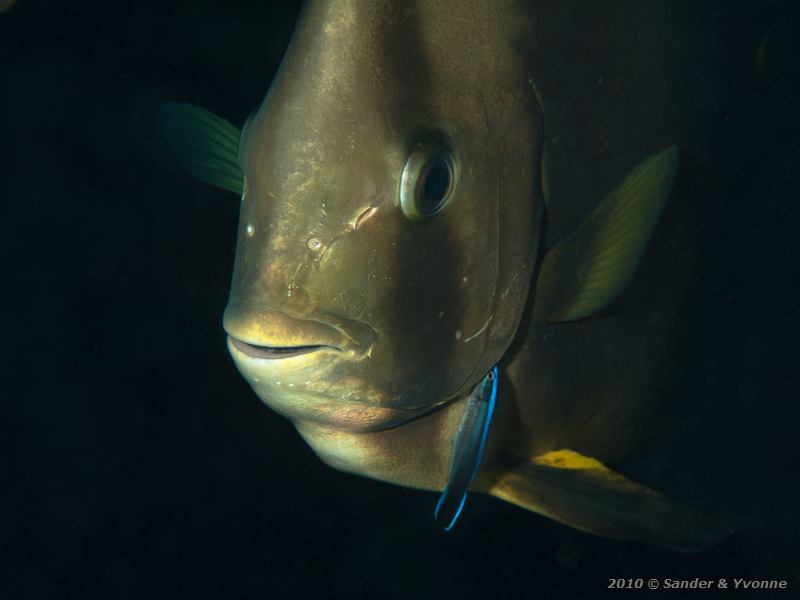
(205, 144)
(583, 493)
(586, 272)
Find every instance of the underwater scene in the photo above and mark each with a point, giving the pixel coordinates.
(399, 299)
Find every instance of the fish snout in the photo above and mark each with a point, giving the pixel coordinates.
(263, 332)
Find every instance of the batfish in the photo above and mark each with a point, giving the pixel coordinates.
(401, 291)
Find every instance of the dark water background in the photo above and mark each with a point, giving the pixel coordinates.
(136, 462)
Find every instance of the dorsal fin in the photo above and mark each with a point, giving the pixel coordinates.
(205, 144)
(586, 272)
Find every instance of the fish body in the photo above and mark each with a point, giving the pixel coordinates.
(410, 314)
(399, 237)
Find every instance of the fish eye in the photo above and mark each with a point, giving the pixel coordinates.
(427, 183)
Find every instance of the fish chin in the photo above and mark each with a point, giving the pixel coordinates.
(325, 388)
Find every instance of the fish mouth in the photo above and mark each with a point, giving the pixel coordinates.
(276, 352)
(314, 368)
(265, 333)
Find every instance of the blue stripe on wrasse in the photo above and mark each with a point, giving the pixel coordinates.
(468, 448)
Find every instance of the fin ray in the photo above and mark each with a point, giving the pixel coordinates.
(205, 144)
(582, 492)
(588, 270)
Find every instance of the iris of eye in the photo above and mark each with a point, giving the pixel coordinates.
(435, 186)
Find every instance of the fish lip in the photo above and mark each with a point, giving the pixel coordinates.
(262, 332)
(276, 352)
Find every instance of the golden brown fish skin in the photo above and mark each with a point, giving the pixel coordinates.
(414, 454)
(323, 241)
(322, 237)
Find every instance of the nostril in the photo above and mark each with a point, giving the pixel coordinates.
(364, 216)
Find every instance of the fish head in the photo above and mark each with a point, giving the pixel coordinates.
(390, 217)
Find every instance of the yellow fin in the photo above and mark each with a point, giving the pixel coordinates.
(567, 459)
(582, 492)
(586, 272)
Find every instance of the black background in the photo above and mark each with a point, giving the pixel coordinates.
(136, 462)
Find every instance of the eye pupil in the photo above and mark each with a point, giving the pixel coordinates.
(427, 182)
(436, 185)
